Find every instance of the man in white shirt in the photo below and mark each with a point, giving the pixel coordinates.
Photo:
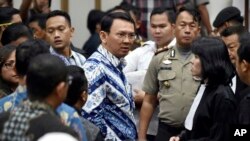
(161, 29)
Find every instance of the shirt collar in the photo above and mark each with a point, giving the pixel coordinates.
(52, 51)
(114, 60)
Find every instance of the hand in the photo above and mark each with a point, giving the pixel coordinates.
(174, 138)
(139, 95)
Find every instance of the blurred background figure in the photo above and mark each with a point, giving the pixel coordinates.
(94, 27)
(8, 76)
(37, 26)
(39, 7)
(6, 3)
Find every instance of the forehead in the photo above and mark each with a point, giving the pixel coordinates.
(159, 18)
(185, 17)
(122, 25)
(57, 20)
(231, 38)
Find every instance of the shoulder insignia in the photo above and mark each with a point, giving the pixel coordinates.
(161, 50)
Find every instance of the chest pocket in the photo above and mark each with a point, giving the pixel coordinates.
(165, 77)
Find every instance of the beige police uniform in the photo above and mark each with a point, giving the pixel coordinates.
(170, 77)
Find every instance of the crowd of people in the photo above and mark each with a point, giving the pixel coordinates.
(190, 82)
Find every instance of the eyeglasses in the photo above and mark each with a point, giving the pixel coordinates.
(10, 64)
(123, 35)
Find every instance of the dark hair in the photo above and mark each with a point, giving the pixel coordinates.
(170, 13)
(244, 49)
(130, 8)
(59, 13)
(192, 11)
(44, 73)
(40, 18)
(239, 30)
(108, 19)
(14, 32)
(215, 62)
(5, 52)
(94, 18)
(28, 50)
(78, 85)
(6, 14)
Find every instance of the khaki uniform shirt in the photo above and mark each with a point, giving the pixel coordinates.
(171, 78)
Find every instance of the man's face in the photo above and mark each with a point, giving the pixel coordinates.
(120, 38)
(58, 32)
(186, 29)
(38, 32)
(161, 29)
(232, 43)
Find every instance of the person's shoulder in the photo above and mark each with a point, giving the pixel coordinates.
(6, 103)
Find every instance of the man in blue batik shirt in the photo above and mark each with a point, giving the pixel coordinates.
(110, 103)
(24, 53)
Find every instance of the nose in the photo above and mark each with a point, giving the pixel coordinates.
(157, 30)
(187, 29)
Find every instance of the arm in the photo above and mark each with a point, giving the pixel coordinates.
(147, 109)
(205, 17)
(24, 9)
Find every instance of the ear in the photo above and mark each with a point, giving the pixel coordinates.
(84, 96)
(174, 27)
(72, 30)
(103, 36)
(138, 24)
(244, 66)
(61, 90)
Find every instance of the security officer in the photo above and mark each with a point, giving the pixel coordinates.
(169, 76)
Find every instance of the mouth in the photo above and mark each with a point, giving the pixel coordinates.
(58, 42)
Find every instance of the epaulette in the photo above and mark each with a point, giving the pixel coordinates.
(159, 50)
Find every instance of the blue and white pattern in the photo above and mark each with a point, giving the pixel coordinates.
(68, 114)
(75, 58)
(110, 103)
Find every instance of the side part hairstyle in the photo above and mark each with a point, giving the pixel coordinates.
(196, 15)
(59, 13)
(170, 13)
(108, 19)
(78, 85)
(28, 50)
(44, 73)
(239, 30)
(215, 62)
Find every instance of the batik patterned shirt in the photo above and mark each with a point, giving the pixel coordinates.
(68, 114)
(110, 104)
(74, 59)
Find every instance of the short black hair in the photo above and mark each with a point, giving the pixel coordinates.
(244, 49)
(94, 18)
(215, 62)
(170, 13)
(59, 13)
(5, 52)
(78, 85)
(14, 32)
(192, 11)
(108, 19)
(28, 50)
(44, 73)
(40, 18)
(6, 14)
(239, 30)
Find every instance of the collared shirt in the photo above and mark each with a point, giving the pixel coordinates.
(170, 76)
(74, 59)
(68, 114)
(110, 103)
(137, 63)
